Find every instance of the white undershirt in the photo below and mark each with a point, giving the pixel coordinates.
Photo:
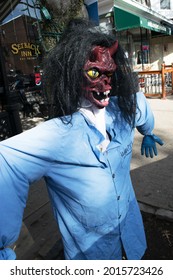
(97, 118)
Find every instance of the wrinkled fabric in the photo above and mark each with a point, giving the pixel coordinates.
(7, 254)
(90, 191)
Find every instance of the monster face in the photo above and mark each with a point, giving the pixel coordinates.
(98, 71)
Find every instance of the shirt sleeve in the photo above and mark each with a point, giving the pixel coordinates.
(24, 158)
(144, 115)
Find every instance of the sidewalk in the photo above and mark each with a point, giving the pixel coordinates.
(153, 178)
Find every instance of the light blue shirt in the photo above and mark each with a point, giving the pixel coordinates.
(91, 192)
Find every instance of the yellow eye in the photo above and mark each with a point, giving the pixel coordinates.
(93, 73)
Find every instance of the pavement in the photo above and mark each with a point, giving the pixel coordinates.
(152, 180)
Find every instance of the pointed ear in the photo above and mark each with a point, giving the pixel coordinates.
(113, 48)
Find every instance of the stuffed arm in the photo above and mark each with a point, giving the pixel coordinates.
(145, 125)
(24, 159)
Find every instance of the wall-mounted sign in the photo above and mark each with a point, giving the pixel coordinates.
(25, 50)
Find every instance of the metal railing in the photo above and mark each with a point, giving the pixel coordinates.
(10, 123)
(5, 126)
(157, 82)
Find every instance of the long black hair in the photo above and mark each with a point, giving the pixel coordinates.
(63, 70)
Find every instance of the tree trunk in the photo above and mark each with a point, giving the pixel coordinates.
(55, 15)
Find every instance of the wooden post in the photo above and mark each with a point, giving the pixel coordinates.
(163, 81)
(172, 77)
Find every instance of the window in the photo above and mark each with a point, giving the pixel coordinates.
(165, 4)
(145, 2)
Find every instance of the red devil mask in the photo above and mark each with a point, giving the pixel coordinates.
(98, 71)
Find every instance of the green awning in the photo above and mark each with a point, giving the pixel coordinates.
(125, 20)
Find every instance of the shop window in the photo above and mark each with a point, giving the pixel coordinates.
(143, 55)
(165, 4)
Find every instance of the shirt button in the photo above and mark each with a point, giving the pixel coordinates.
(118, 197)
(113, 175)
(119, 217)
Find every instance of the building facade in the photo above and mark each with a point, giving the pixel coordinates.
(142, 29)
(164, 7)
(19, 41)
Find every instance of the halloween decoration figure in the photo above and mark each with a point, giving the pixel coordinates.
(98, 71)
(83, 151)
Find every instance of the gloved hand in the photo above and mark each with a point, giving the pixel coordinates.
(148, 146)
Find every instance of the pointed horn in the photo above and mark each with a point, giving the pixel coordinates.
(96, 50)
(113, 48)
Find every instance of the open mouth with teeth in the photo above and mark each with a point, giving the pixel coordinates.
(101, 95)
(101, 99)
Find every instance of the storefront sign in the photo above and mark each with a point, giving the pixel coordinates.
(25, 50)
(125, 20)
